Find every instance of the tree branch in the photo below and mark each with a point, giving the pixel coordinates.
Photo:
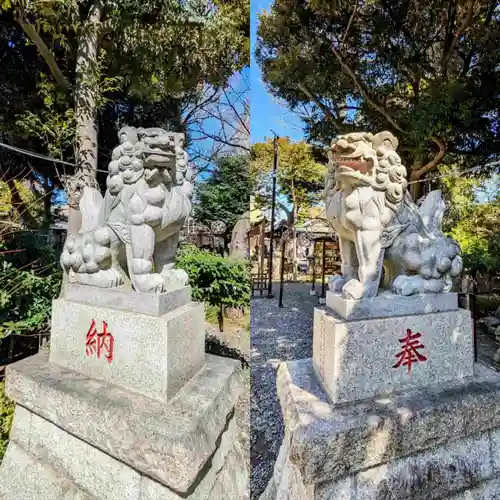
(351, 19)
(466, 23)
(346, 68)
(326, 110)
(418, 173)
(43, 50)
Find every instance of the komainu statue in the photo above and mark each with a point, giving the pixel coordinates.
(132, 234)
(383, 235)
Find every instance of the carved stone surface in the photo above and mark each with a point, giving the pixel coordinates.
(238, 247)
(356, 360)
(65, 420)
(154, 356)
(380, 227)
(132, 234)
(387, 305)
(123, 300)
(440, 442)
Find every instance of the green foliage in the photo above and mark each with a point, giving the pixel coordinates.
(300, 176)
(478, 235)
(28, 284)
(30, 200)
(6, 415)
(472, 223)
(224, 195)
(53, 125)
(216, 280)
(381, 66)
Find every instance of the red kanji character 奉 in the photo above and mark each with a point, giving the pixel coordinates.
(98, 342)
(409, 354)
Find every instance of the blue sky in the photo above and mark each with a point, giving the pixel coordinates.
(266, 113)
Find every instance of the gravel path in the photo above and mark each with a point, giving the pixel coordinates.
(277, 334)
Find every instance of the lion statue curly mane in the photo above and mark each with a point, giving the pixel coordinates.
(382, 232)
(131, 235)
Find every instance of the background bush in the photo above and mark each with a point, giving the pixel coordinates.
(215, 280)
(6, 414)
(29, 281)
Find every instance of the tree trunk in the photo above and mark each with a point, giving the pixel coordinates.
(86, 93)
(416, 187)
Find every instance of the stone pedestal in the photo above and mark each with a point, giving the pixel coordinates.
(357, 359)
(426, 444)
(126, 407)
(158, 343)
(381, 413)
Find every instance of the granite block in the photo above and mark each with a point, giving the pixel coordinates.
(495, 449)
(170, 443)
(24, 477)
(153, 304)
(153, 356)
(331, 442)
(388, 305)
(21, 427)
(153, 490)
(233, 481)
(100, 474)
(356, 360)
(431, 475)
(489, 490)
(339, 490)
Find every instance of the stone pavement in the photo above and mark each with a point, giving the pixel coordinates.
(277, 334)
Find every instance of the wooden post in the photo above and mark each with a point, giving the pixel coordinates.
(323, 272)
(282, 269)
(273, 210)
(313, 287)
(261, 265)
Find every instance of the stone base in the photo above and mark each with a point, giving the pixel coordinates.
(439, 442)
(388, 305)
(81, 439)
(154, 355)
(359, 359)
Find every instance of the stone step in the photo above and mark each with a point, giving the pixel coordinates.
(38, 481)
(130, 435)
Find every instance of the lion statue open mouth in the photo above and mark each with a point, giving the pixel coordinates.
(132, 233)
(381, 230)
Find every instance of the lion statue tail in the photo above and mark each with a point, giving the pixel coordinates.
(88, 250)
(431, 210)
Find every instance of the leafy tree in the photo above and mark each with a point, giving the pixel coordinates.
(427, 71)
(19, 206)
(226, 193)
(299, 176)
(159, 55)
(472, 222)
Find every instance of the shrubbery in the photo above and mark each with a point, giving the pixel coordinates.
(29, 281)
(215, 280)
(6, 414)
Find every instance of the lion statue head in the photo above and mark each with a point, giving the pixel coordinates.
(362, 158)
(154, 153)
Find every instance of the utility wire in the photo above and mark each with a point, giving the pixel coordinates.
(458, 174)
(55, 160)
(42, 157)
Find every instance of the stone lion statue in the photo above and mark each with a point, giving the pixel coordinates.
(381, 230)
(132, 233)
